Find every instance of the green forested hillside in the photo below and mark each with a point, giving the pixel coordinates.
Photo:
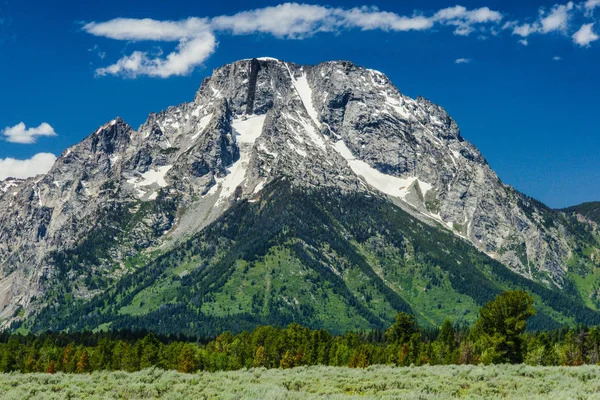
(589, 210)
(498, 337)
(322, 258)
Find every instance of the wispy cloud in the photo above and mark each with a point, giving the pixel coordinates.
(465, 20)
(197, 36)
(21, 134)
(38, 164)
(560, 19)
(557, 58)
(196, 44)
(590, 6)
(462, 61)
(96, 50)
(188, 55)
(289, 20)
(557, 19)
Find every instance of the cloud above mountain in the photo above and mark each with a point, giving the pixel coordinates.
(38, 164)
(196, 37)
(21, 134)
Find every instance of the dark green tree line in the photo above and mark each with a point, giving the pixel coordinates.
(497, 337)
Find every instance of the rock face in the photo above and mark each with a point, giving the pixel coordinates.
(253, 121)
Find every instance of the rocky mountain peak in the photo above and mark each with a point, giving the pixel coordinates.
(112, 137)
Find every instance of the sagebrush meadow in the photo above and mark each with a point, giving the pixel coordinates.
(376, 382)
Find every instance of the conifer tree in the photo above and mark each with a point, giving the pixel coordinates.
(447, 334)
(83, 365)
(51, 368)
(287, 361)
(403, 328)
(187, 362)
(260, 357)
(149, 351)
(68, 353)
(500, 326)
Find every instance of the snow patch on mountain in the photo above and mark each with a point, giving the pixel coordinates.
(305, 93)
(106, 126)
(390, 185)
(7, 184)
(150, 180)
(396, 105)
(246, 130)
(202, 124)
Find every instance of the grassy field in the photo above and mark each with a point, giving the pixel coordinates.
(377, 382)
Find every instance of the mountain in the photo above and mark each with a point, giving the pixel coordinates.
(281, 193)
(590, 211)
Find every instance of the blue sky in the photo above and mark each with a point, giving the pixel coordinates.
(527, 95)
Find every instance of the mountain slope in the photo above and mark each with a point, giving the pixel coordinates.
(589, 210)
(313, 257)
(121, 202)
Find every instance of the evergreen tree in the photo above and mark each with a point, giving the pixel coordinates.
(467, 353)
(103, 354)
(83, 365)
(51, 368)
(131, 359)
(260, 357)
(287, 361)
(10, 355)
(447, 334)
(403, 328)
(149, 351)
(187, 362)
(500, 326)
(68, 355)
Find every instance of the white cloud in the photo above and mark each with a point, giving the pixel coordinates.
(296, 21)
(585, 35)
(558, 18)
(462, 61)
(197, 37)
(148, 29)
(590, 5)
(197, 41)
(21, 134)
(557, 58)
(464, 19)
(196, 44)
(370, 18)
(525, 29)
(38, 164)
(188, 55)
(289, 20)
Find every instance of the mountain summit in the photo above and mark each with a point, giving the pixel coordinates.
(338, 177)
